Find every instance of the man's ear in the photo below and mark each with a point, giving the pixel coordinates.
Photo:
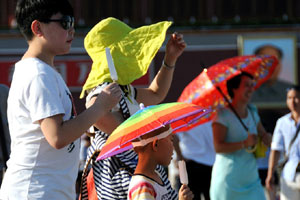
(36, 28)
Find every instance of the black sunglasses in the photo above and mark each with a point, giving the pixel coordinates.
(66, 21)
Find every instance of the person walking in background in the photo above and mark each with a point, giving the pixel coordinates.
(235, 174)
(197, 149)
(4, 132)
(45, 131)
(286, 139)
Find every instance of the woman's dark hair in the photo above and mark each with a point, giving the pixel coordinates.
(235, 82)
(29, 10)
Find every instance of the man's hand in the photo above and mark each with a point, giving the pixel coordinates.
(269, 182)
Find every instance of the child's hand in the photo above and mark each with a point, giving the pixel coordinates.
(185, 193)
(109, 96)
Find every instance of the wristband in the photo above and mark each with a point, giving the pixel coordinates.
(167, 66)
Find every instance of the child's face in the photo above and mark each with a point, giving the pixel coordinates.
(58, 40)
(165, 150)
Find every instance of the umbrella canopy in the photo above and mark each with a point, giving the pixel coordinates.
(177, 115)
(207, 88)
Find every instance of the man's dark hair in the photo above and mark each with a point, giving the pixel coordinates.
(294, 87)
(29, 10)
(235, 82)
(262, 47)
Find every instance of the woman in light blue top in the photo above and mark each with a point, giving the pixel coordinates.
(235, 174)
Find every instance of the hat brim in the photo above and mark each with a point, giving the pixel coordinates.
(132, 52)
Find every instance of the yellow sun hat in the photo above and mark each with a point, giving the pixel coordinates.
(132, 50)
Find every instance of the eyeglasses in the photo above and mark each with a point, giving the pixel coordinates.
(66, 21)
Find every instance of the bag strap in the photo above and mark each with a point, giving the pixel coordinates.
(252, 115)
(251, 150)
(286, 156)
(232, 108)
(123, 105)
(126, 114)
(292, 142)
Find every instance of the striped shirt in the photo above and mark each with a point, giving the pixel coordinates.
(112, 175)
(142, 187)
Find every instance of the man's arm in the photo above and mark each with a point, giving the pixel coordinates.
(273, 161)
(60, 133)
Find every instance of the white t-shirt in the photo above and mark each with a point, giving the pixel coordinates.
(197, 144)
(36, 170)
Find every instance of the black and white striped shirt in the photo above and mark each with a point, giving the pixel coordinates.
(112, 175)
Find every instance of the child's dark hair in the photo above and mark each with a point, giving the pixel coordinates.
(29, 10)
(235, 82)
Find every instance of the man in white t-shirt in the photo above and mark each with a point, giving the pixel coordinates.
(43, 126)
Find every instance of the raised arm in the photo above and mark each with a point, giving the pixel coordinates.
(160, 86)
(60, 133)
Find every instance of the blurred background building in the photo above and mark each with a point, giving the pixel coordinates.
(211, 29)
(193, 14)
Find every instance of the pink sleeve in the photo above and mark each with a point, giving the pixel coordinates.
(142, 190)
